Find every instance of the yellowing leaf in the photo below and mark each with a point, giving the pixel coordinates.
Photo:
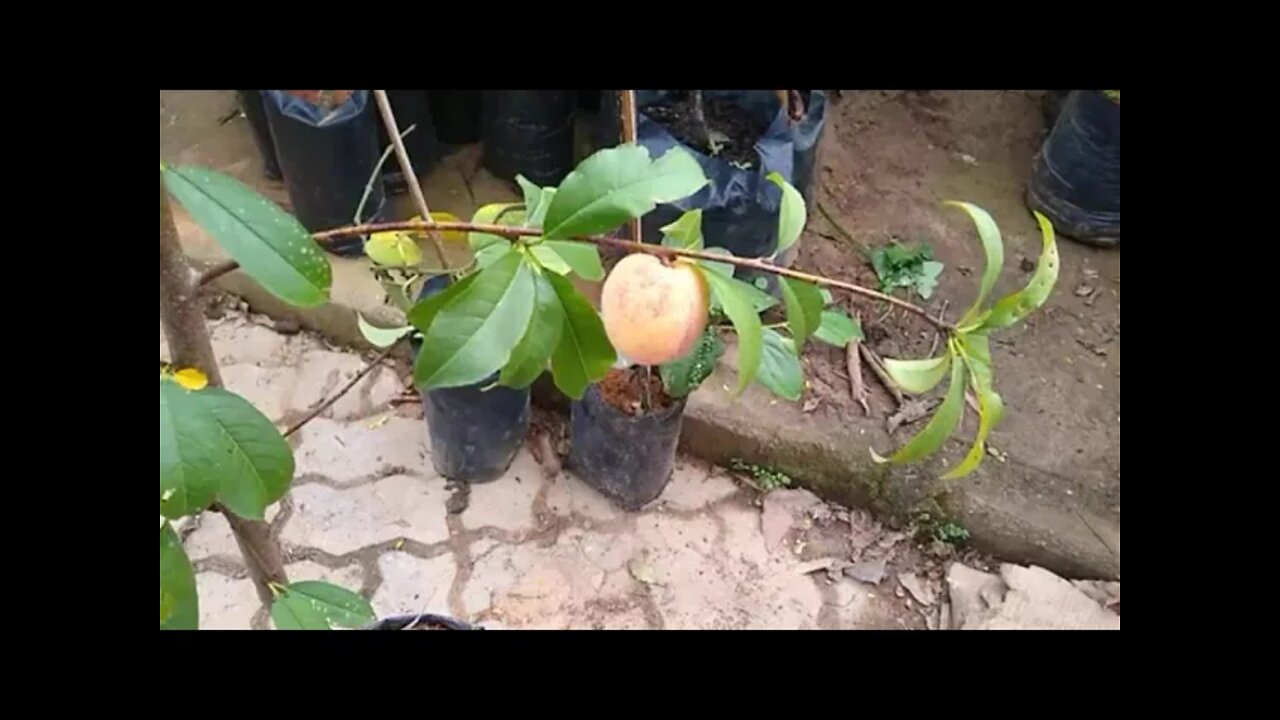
(393, 248)
(191, 379)
(444, 217)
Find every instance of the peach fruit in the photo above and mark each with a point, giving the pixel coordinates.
(653, 312)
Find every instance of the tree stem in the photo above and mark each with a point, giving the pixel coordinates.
(627, 116)
(406, 168)
(189, 344)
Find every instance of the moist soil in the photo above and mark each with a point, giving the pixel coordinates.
(723, 117)
(624, 390)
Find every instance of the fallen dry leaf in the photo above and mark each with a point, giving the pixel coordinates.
(812, 566)
(643, 572)
(811, 405)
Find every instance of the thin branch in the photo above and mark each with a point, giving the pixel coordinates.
(314, 412)
(937, 335)
(631, 246)
(406, 167)
(376, 175)
(853, 362)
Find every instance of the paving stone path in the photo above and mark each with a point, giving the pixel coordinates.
(534, 549)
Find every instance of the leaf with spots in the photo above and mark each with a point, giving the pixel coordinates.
(1012, 308)
(215, 445)
(315, 605)
(268, 243)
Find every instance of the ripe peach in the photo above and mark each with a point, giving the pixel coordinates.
(653, 312)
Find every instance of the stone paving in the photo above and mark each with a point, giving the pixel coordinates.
(535, 549)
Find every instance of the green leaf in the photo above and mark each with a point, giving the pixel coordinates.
(977, 357)
(582, 257)
(268, 243)
(939, 427)
(1012, 308)
(381, 337)
(780, 369)
(315, 605)
(683, 376)
(838, 329)
(992, 245)
(827, 297)
(918, 376)
(725, 269)
(473, 334)
(545, 326)
(760, 300)
(422, 314)
(746, 321)
(685, 233)
(791, 214)
(179, 604)
(393, 248)
(490, 254)
(212, 439)
(804, 308)
(584, 354)
(549, 260)
(536, 201)
(617, 184)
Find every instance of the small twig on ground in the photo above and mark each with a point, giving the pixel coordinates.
(314, 412)
(937, 334)
(853, 360)
(881, 374)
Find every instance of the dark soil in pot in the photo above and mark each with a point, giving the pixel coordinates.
(623, 438)
(730, 124)
(474, 433)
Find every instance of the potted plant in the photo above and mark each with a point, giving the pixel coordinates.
(327, 144)
(739, 137)
(529, 133)
(1075, 179)
(255, 112)
(457, 115)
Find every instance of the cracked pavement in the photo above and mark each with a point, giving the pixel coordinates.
(536, 548)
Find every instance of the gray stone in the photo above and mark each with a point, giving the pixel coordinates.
(694, 485)
(346, 452)
(342, 521)
(237, 340)
(321, 374)
(226, 604)
(506, 503)
(413, 585)
(267, 389)
(570, 496)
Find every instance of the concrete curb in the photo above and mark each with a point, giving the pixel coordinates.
(1015, 512)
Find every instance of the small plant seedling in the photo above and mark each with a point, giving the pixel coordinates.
(763, 477)
(951, 533)
(899, 266)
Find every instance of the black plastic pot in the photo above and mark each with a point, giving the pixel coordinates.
(411, 107)
(400, 622)
(251, 104)
(474, 434)
(1075, 181)
(327, 159)
(627, 459)
(589, 100)
(530, 133)
(457, 115)
(740, 207)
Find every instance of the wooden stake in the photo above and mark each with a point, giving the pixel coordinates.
(627, 114)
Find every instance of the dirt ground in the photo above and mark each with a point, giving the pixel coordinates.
(888, 160)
